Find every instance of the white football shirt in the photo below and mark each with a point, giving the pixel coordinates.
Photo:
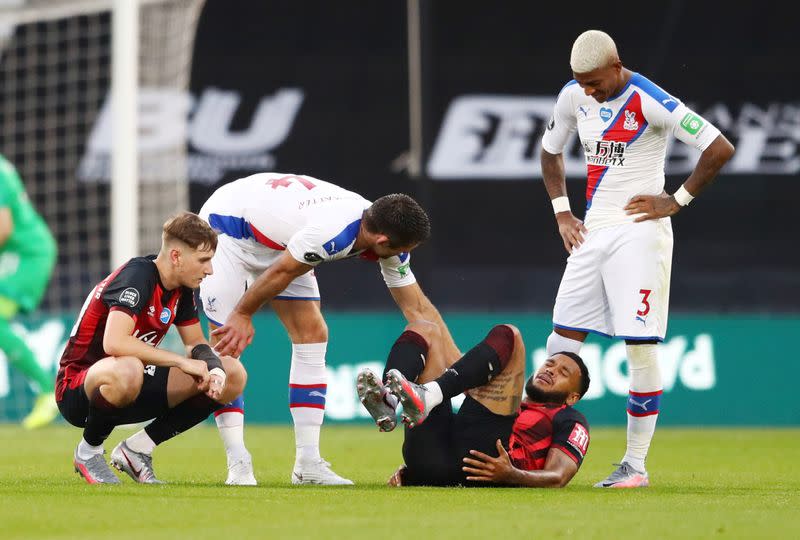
(624, 141)
(314, 220)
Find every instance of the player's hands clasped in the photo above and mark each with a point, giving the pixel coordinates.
(485, 468)
(652, 207)
(571, 229)
(235, 335)
(198, 370)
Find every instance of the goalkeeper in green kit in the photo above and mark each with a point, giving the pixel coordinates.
(27, 257)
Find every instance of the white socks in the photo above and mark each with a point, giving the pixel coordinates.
(231, 430)
(141, 442)
(558, 343)
(433, 396)
(87, 451)
(643, 402)
(643, 399)
(307, 390)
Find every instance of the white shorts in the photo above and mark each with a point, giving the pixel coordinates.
(617, 283)
(235, 269)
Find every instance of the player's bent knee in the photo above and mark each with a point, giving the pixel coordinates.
(513, 337)
(127, 378)
(430, 331)
(236, 377)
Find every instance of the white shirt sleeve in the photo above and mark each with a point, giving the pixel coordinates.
(397, 270)
(562, 124)
(306, 245)
(686, 125)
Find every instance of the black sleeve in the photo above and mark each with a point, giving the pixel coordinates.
(132, 287)
(187, 308)
(571, 434)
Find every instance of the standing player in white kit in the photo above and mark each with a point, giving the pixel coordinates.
(616, 283)
(273, 230)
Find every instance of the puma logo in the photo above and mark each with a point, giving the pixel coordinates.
(642, 405)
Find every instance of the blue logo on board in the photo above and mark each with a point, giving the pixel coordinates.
(606, 114)
(165, 316)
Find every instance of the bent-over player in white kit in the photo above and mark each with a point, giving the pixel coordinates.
(616, 283)
(273, 230)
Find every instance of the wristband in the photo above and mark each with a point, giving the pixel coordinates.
(683, 197)
(206, 354)
(560, 204)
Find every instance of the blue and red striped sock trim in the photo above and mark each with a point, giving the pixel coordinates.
(307, 395)
(644, 403)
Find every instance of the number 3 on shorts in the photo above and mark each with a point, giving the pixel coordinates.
(645, 304)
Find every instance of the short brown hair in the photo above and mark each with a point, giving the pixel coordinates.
(400, 218)
(191, 230)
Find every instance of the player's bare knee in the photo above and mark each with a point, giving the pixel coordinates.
(312, 331)
(127, 378)
(515, 336)
(430, 331)
(236, 377)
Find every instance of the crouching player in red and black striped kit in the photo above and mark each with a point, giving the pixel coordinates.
(493, 439)
(112, 371)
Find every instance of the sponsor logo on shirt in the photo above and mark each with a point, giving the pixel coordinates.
(312, 257)
(403, 269)
(129, 296)
(610, 153)
(579, 439)
(691, 123)
(151, 337)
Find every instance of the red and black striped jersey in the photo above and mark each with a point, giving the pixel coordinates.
(136, 289)
(542, 426)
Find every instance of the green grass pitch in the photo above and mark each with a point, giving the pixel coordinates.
(707, 483)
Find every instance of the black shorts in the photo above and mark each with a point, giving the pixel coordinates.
(151, 402)
(433, 451)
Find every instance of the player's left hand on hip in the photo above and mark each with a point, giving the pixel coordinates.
(485, 468)
(652, 207)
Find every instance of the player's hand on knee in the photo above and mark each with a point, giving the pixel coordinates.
(571, 229)
(216, 385)
(652, 207)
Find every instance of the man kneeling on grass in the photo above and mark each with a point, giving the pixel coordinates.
(493, 439)
(112, 371)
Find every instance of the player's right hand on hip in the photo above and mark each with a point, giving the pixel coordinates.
(571, 229)
(234, 336)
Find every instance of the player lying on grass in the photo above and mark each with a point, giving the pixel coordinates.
(112, 371)
(493, 438)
